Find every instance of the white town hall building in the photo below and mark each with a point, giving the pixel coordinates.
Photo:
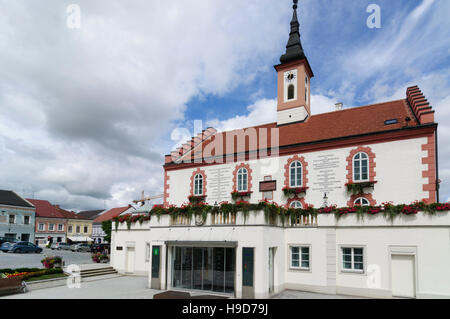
(375, 157)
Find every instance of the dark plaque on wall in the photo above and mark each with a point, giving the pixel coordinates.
(119, 248)
(247, 267)
(267, 186)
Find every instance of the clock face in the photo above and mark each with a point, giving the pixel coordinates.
(290, 77)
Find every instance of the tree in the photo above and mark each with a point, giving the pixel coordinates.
(107, 228)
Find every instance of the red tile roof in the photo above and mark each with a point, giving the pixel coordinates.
(344, 123)
(110, 214)
(67, 214)
(45, 209)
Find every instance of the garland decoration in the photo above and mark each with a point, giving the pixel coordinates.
(274, 212)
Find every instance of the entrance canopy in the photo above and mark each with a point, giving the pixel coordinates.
(202, 243)
(80, 238)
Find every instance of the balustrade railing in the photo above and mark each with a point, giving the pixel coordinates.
(223, 219)
(302, 221)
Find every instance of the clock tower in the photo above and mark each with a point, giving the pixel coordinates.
(294, 79)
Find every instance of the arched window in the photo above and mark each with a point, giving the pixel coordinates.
(360, 167)
(296, 204)
(198, 185)
(296, 174)
(242, 179)
(361, 202)
(291, 93)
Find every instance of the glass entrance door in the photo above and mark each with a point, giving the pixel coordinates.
(204, 268)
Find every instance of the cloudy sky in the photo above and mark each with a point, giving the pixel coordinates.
(86, 114)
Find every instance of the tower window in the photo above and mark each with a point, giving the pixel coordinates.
(291, 92)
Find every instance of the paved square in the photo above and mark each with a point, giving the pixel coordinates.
(131, 287)
(10, 260)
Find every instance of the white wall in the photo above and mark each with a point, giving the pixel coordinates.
(428, 236)
(398, 174)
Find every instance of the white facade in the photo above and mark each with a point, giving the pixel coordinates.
(421, 241)
(398, 174)
(98, 235)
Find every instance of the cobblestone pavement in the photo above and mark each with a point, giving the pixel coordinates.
(10, 260)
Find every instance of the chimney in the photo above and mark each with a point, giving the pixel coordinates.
(339, 106)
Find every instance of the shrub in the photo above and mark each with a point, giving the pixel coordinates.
(43, 272)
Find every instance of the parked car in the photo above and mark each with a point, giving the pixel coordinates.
(99, 248)
(20, 247)
(81, 247)
(60, 246)
(7, 240)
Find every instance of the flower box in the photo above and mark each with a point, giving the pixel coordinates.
(196, 199)
(358, 188)
(288, 191)
(237, 195)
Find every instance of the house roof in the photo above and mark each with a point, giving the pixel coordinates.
(12, 199)
(67, 214)
(130, 210)
(346, 123)
(110, 214)
(89, 214)
(45, 209)
(144, 208)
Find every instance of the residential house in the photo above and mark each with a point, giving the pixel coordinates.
(79, 226)
(98, 235)
(17, 217)
(50, 224)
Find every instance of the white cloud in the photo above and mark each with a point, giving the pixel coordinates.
(261, 112)
(264, 111)
(83, 111)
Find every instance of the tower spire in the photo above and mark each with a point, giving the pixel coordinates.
(294, 49)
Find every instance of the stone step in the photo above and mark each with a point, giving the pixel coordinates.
(83, 271)
(101, 277)
(111, 272)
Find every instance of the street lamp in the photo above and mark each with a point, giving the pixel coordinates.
(325, 200)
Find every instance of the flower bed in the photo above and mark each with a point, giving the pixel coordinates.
(52, 262)
(29, 273)
(99, 258)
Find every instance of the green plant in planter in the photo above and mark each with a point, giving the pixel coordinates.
(358, 188)
(51, 262)
(235, 195)
(196, 199)
(294, 191)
